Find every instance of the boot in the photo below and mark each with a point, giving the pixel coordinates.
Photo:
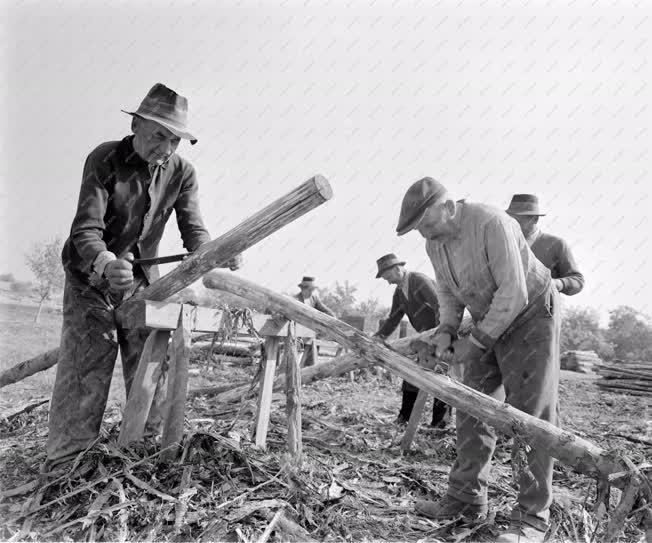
(448, 507)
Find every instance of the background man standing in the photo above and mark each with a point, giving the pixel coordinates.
(483, 263)
(415, 297)
(308, 296)
(553, 252)
(128, 192)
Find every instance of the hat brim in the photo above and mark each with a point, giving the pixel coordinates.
(380, 272)
(179, 133)
(412, 224)
(307, 285)
(525, 213)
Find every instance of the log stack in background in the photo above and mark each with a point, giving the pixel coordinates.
(633, 378)
(580, 361)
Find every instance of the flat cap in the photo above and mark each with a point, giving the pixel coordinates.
(416, 201)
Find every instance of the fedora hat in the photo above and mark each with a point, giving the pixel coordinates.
(524, 204)
(307, 282)
(386, 262)
(416, 201)
(167, 108)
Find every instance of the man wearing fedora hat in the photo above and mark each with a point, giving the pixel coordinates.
(128, 192)
(483, 263)
(553, 252)
(308, 296)
(415, 297)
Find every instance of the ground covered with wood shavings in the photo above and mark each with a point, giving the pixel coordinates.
(353, 483)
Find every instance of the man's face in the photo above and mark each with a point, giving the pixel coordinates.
(306, 292)
(153, 143)
(394, 275)
(435, 223)
(527, 223)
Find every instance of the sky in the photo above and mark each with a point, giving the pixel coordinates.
(491, 98)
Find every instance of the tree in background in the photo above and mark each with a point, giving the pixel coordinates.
(44, 260)
(340, 299)
(580, 331)
(630, 332)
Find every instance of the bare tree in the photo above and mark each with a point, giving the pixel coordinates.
(44, 260)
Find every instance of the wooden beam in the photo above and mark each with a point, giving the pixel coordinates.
(29, 367)
(265, 391)
(279, 327)
(415, 419)
(177, 388)
(572, 450)
(143, 387)
(165, 316)
(293, 397)
(217, 252)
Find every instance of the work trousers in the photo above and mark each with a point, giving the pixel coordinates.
(522, 370)
(90, 339)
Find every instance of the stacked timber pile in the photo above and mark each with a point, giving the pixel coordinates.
(579, 361)
(634, 378)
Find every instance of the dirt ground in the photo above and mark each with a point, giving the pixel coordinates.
(354, 483)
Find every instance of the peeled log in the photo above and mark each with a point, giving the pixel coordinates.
(29, 367)
(580, 454)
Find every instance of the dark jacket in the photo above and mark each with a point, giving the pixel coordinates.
(420, 306)
(121, 210)
(555, 254)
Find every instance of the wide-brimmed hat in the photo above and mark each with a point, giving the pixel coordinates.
(524, 204)
(166, 107)
(307, 282)
(386, 262)
(416, 201)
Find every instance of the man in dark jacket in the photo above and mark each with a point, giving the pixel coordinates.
(553, 252)
(415, 297)
(128, 192)
(309, 297)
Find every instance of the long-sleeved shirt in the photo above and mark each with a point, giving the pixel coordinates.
(555, 254)
(124, 204)
(487, 267)
(420, 305)
(314, 301)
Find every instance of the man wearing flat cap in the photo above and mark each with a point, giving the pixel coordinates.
(308, 296)
(483, 263)
(415, 297)
(553, 252)
(128, 192)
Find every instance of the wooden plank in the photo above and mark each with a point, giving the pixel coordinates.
(415, 418)
(177, 388)
(29, 367)
(279, 327)
(572, 450)
(265, 392)
(143, 387)
(165, 316)
(293, 397)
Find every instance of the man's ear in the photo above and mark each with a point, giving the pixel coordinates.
(450, 206)
(135, 123)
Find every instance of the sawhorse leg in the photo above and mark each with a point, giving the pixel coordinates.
(415, 418)
(265, 392)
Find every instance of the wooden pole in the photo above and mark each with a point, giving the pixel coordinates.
(578, 453)
(265, 391)
(293, 397)
(177, 389)
(143, 387)
(275, 216)
(213, 254)
(415, 419)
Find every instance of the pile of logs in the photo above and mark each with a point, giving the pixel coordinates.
(633, 378)
(579, 361)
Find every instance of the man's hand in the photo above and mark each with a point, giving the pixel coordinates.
(119, 272)
(559, 284)
(234, 263)
(465, 351)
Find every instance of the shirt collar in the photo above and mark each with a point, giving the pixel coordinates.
(535, 235)
(457, 220)
(131, 157)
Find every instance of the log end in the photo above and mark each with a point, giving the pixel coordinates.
(322, 186)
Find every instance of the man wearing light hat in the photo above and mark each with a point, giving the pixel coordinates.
(128, 192)
(309, 297)
(553, 252)
(483, 263)
(415, 297)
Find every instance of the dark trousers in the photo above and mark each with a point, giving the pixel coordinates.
(440, 410)
(90, 340)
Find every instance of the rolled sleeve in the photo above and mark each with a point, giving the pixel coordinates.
(506, 267)
(569, 275)
(189, 219)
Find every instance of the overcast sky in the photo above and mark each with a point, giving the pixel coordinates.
(492, 98)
